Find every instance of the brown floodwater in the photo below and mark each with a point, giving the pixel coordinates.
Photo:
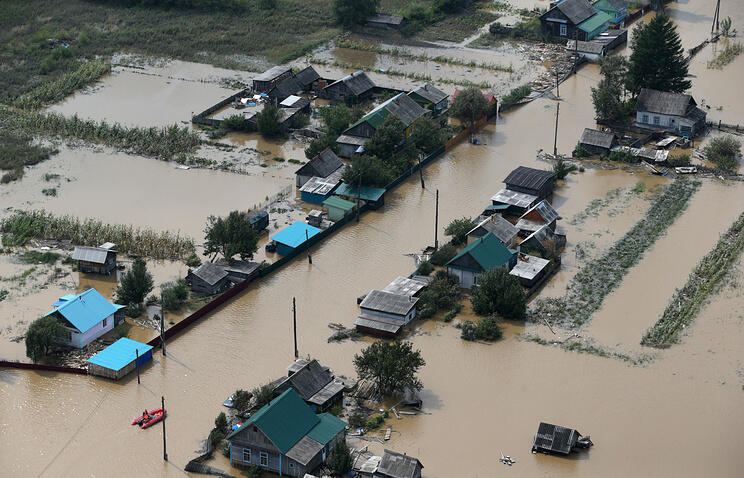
(680, 415)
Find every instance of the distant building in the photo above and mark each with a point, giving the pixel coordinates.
(575, 19)
(616, 9)
(86, 317)
(597, 142)
(267, 80)
(529, 269)
(314, 383)
(285, 437)
(539, 215)
(430, 97)
(293, 236)
(478, 257)
(676, 112)
(389, 22)
(322, 165)
(535, 182)
(401, 106)
(384, 313)
(338, 208)
(95, 260)
(208, 278)
(119, 359)
(505, 231)
(356, 85)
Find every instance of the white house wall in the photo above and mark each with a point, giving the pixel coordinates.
(79, 340)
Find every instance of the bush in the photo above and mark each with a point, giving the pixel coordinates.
(374, 422)
(193, 260)
(621, 157)
(467, 330)
(442, 293)
(459, 228)
(443, 255)
(268, 121)
(134, 310)
(678, 161)
(262, 395)
(561, 169)
(516, 95)
(425, 268)
(498, 292)
(174, 294)
(580, 152)
(339, 460)
(357, 420)
(36, 257)
(236, 123)
(488, 329)
(452, 313)
(241, 400)
(723, 151)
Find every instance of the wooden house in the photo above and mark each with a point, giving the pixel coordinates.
(208, 278)
(349, 145)
(397, 465)
(285, 88)
(85, 317)
(388, 22)
(535, 182)
(430, 97)
(576, 19)
(591, 50)
(374, 197)
(356, 85)
(597, 142)
(95, 260)
(267, 80)
(285, 437)
(401, 106)
(675, 112)
(478, 257)
(323, 165)
(505, 231)
(308, 78)
(529, 269)
(554, 439)
(616, 9)
(338, 208)
(314, 383)
(293, 236)
(539, 215)
(384, 313)
(119, 359)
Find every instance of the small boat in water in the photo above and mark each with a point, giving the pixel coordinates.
(152, 417)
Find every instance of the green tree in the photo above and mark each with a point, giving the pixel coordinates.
(267, 4)
(443, 255)
(174, 294)
(316, 146)
(388, 136)
(561, 169)
(427, 135)
(335, 118)
(241, 400)
(442, 293)
(469, 106)
(353, 12)
(723, 151)
(339, 460)
(498, 292)
(41, 334)
(263, 395)
(459, 228)
(268, 121)
(392, 366)
(370, 171)
(488, 329)
(135, 284)
(658, 60)
(230, 235)
(610, 91)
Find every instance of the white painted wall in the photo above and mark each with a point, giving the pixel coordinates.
(79, 340)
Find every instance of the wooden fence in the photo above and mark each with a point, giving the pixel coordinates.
(202, 119)
(44, 368)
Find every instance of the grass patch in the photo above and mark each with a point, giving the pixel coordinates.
(516, 95)
(58, 89)
(726, 56)
(702, 283)
(457, 28)
(588, 288)
(18, 151)
(587, 348)
(36, 257)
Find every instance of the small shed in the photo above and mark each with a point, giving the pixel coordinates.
(505, 231)
(349, 145)
(430, 97)
(397, 465)
(95, 260)
(240, 271)
(611, 39)
(389, 22)
(597, 142)
(208, 278)
(285, 88)
(530, 269)
(294, 101)
(267, 80)
(322, 165)
(590, 50)
(539, 215)
(513, 203)
(554, 439)
(308, 78)
(119, 358)
(375, 197)
(318, 189)
(536, 182)
(315, 384)
(338, 208)
(259, 219)
(293, 236)
(356, 85)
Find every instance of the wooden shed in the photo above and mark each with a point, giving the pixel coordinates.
(95, 260)
(357, 86)
(597, 142)
(536, 182)
(267, 80)
(338, 208)
(208, 278)
(119, 358)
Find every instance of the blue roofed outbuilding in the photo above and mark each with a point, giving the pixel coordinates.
(293, 236)
(119, 358)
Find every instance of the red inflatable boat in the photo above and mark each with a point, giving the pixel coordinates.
(153, 417)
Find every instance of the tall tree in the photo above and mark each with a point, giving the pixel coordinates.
(388, 136)
(268, 121)
(135, 284)
(658, 60)
(469, 106)
(353, 12)
(610, 91)
(368, 171)
(391, 365)
(41, 335)
(339, 460)
(427, 135)
(498, 292)
(230, 235)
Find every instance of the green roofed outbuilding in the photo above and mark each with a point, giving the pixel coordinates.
(480, 256)
(338, 208)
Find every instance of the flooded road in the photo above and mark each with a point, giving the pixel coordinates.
(680, 415)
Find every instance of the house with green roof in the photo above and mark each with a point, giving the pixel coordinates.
(575, 20)
(286, 437)
(482, 255)
(400, 105)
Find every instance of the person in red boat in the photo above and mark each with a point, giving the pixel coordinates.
(146, 415)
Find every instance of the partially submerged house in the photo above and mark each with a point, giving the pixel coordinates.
(505, 231)
(676, 112)
(478, 257)
(530, 269)
(314, 383)
(285, 88)
(544, 242)
(536, 182)
(575, 19)
(85, 316)
(384, 313)
(398, 465)
(374, 197)
(616, 9)
(259, 219)
(119, 359)
(208, 278)
(539, 215)
(389, 22)
(267, 80)
(318, 189)
(408, 286)
(597, 142)
(338, 208)
(401, 106)
(356, 85)
(95, 260)
(554, 439)
(430, 97)
(285, 437)
(240, 271)
(591, 50)
(323, 165)
(293, 236)
(512, 203)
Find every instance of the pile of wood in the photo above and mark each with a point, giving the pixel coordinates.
(78, 358)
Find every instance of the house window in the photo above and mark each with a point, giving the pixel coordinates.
(671, 121)
(69, 336)
(645, 119)
(475, 280)
(246, 455)
(104, 321)
(563, 30)
(263, 458)
(291, 465)
(657, 120)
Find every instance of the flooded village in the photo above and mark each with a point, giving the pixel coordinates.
(432, 241)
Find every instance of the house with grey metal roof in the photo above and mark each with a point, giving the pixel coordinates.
(430, 97)
(663, 110)
(323, 165)
(408, 286)
(505, 231)
(384, 313)
(208, 278)
(95, 260)
(536, 182)
(267, 80)
(590, 50)
(400, 106)
(597, 142)
(539, 215)
(356, 85)
(513, 203)
(397, 465)
(285, 88)
(314, 383)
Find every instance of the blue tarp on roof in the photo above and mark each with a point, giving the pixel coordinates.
(85, 310)
(120, 354)
(294, 235)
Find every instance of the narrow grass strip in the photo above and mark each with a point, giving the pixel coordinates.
(702, 283)
(54, 91)
(589, 287)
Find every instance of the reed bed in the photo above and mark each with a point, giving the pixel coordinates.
(54, 91)
(726, 56)
(23, 226)
(701, 284)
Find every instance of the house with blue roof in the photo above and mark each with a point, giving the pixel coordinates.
(119, 358)
(293, 236)
(484, 254)
(86, 317)
(286, 437)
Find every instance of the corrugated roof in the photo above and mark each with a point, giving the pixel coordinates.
(406, 286)
(350, 139)
(304, 450)
(514, 198)
(405, 109)
(488, 252)
(529, 266)
(555, 439)
(542, 236)
(664, 102)
(210, 273)
(396, 465)
(430, 93)
(594, 22)
(272, 73)
(388, 302)
(286, 88)
(378, 323)
(295, 234)
(576, 10)
(357, 82)
(585, 47)
(499, 227)
(325, 393)
(529, 178)
(96, 255)
(119, 354)
(324, 164)
(367, 193)
(544, 210)
(601, 139)
(308, 380)
(337, 202)
(387, 19)
(86, 309)
(307, 76)
(321, 186)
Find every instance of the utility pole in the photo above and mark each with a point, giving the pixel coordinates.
(136, 364)
(576, 49)
(294, 320)
(557, 83)
(162, 404)
(162, 324)
(421, 172)
(359, 193)
(436, 223)
(307, 241)
(715, 17)
(555, 138)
